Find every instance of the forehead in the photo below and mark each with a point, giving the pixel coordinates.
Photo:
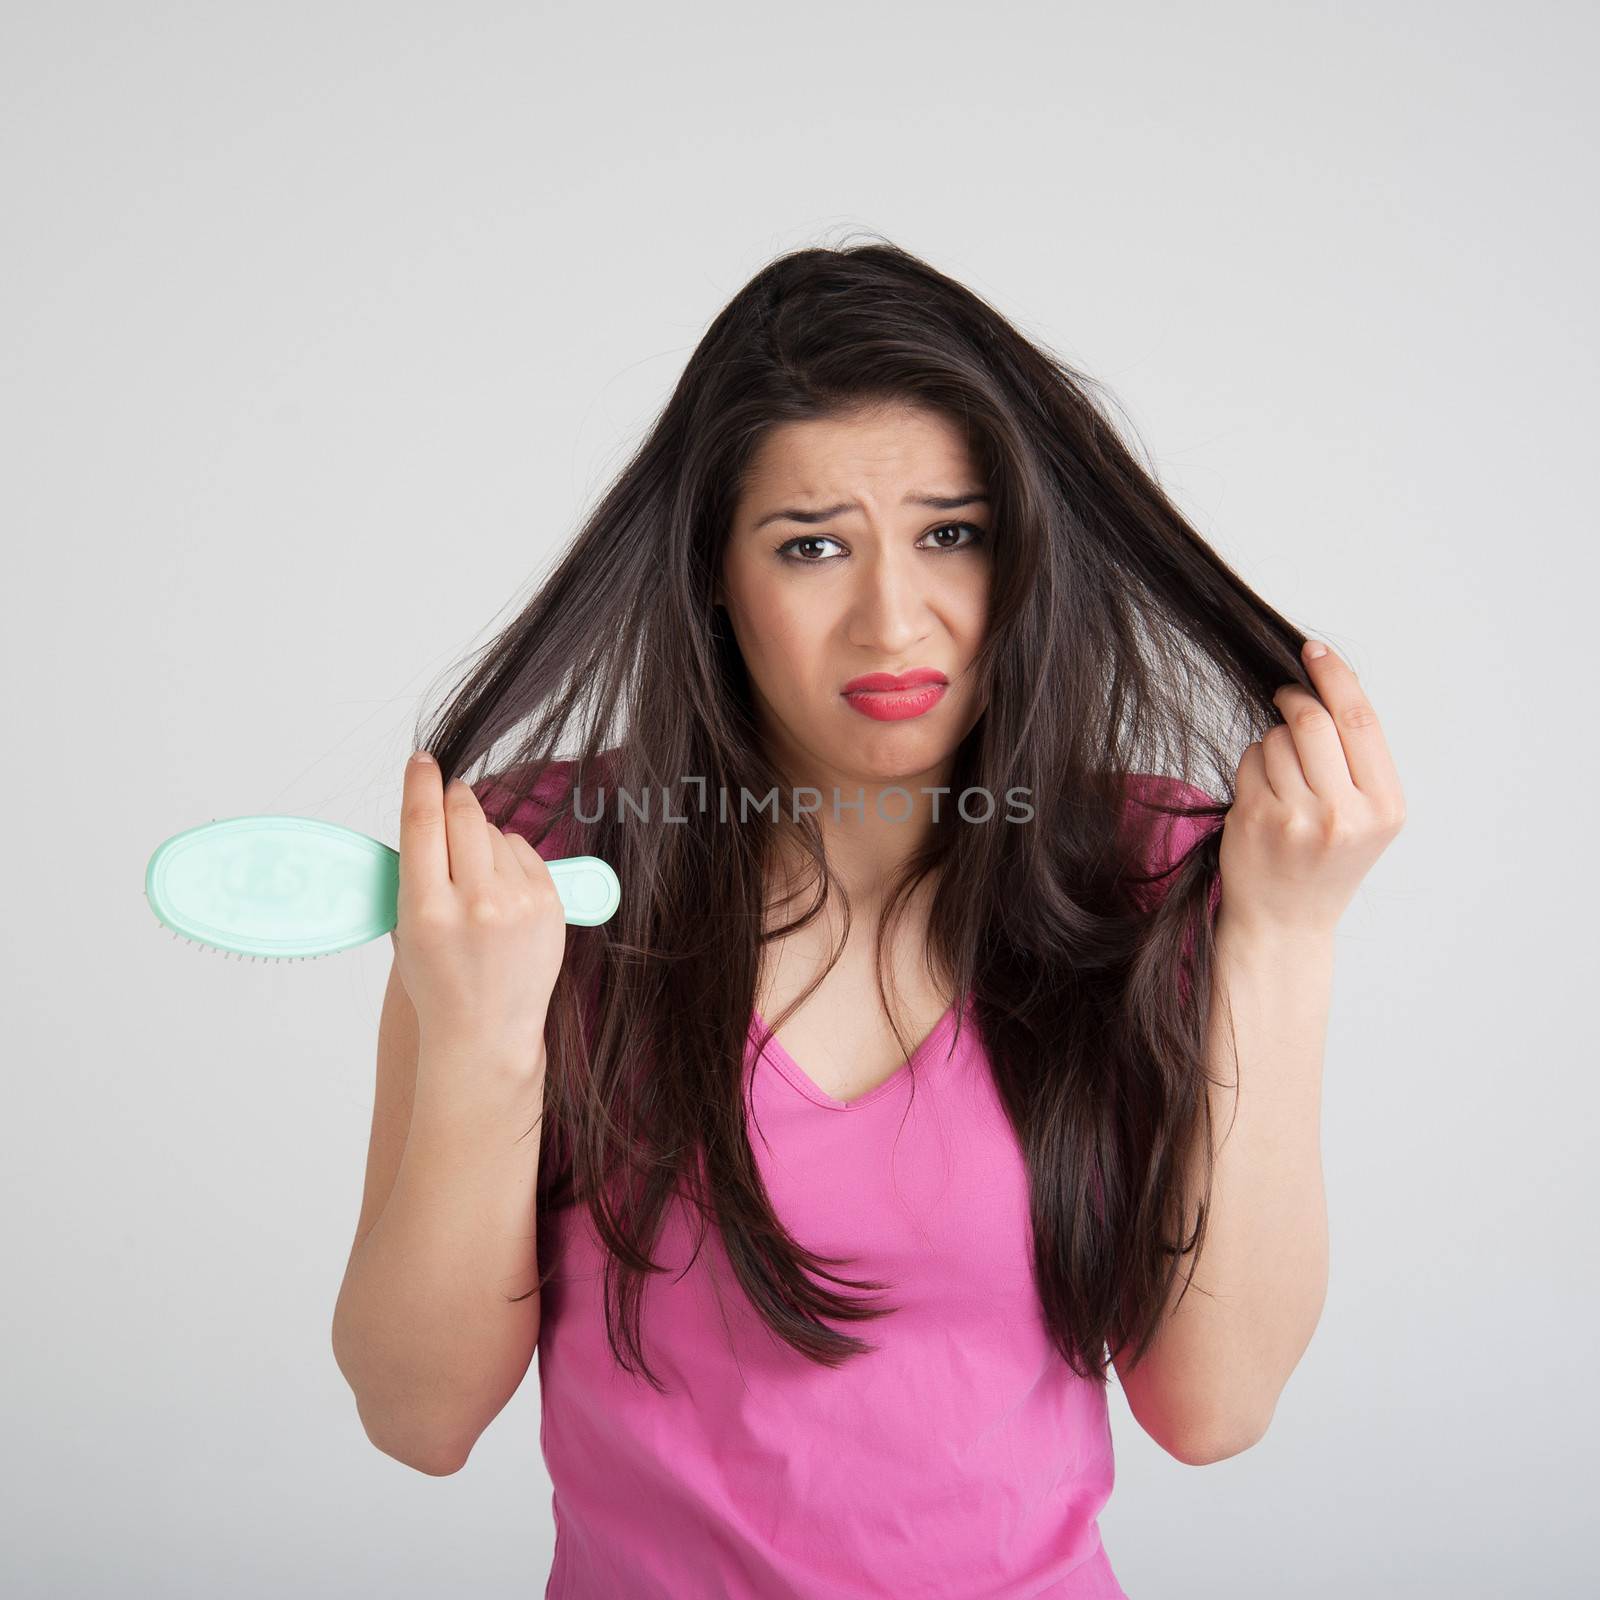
(825, 458)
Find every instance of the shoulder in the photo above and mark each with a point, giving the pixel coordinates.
(522, 799)
(1163, 818)
(1156, 788)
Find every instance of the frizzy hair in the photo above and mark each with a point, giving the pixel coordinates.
(1124, 668)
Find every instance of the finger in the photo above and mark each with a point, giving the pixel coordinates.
(1366, 750)
(522, 852)
(1251, 774)
(471, 854)
(1281, 758)
(505, 852)
(1316, 740)
(424, 848)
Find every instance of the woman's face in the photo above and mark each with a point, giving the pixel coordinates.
(860, 545)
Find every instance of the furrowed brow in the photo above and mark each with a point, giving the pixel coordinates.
(933, 502)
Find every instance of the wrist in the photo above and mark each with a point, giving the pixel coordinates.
(487, 1055)
(1243, 930)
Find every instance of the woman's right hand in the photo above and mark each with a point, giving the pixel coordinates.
(481, 930)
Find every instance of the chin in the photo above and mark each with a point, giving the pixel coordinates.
(884, 760)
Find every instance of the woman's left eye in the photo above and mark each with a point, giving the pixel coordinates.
(956, 527)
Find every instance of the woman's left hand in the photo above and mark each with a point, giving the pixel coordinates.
(1317, 801)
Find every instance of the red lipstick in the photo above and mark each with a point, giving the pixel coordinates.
(891, 697)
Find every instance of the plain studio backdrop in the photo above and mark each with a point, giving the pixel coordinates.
(323, 325)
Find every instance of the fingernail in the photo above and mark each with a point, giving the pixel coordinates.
(421, 755)
(1315, 648)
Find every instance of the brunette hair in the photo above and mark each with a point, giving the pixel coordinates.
(1125, 668)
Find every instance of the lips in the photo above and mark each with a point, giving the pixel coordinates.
(891, 697)
(874, 682)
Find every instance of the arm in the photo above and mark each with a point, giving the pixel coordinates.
(425, 1331)
(1210, 1381)
(1317, 800)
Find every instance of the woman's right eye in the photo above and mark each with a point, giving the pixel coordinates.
(789, 545)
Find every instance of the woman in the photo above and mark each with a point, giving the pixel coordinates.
(930, 1002)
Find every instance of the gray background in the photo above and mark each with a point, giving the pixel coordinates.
(322, 325)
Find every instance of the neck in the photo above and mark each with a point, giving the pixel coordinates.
(872, 831)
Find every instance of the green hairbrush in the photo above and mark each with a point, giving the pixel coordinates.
(295, 888)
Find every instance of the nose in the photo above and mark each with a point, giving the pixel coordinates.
(889, 611)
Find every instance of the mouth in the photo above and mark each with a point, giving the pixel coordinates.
(892, 697)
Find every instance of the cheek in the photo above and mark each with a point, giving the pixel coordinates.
(788, 653)
(773, 616)
(778, 635)
(966, 609)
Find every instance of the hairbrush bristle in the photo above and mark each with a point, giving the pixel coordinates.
(235, 955)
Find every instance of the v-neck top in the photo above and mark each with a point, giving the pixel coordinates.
(779, 1056)
(960, 1457)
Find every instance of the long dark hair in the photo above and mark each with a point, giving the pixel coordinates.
(1120, 648)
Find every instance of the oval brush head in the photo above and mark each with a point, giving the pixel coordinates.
(294, 888)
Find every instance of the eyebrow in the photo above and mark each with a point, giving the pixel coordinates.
(934, 502)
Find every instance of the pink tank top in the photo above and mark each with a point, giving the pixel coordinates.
(962, 1458)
